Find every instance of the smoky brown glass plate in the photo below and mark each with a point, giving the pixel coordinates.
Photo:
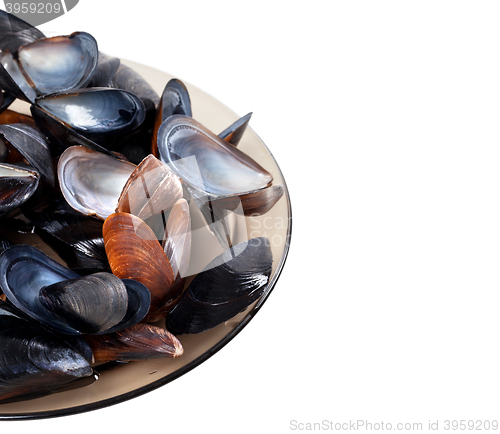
(117, 382)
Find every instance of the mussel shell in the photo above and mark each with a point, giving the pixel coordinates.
(25, 270)
(73, 236)
(60, 63)
(128, 79)
(22, 264)
(229, 284)
(60, 135)
(90, 304)
(235, 131)
(206, 162)
(134, 253)
(17, 185)
(175, 100)
(95, 111)
(105, 71)
(177, 238)
(13, 80)
(15, 32)
(139, 342)
(33, 360)
(151, 188)
(139, 302)
(6, 99)
(252, 204)
(93, 117)
(31, 144)
(91, 182)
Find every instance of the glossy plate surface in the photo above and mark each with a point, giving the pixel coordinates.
(120, 382)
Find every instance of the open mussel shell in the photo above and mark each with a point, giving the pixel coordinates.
(229, 284)
(235, 131)
(91, 182)
(174, 100)
(252, 204)
(15, 32)
(206, 162)
(139, 342)
(61, 299)
(35, 361)
(151, 188)
(31, 144)
(60, 63)
(134, 253)
(17, 185)
(96, 117)
(13, 80)
(49, 65)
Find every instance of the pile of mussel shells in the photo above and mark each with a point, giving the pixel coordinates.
(107, 173)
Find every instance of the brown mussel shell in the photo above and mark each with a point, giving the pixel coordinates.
(134, 253)
(139, 342)
(151, 188)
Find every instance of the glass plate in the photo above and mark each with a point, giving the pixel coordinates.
(122, 381)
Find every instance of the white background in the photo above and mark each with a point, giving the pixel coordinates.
(384, 118)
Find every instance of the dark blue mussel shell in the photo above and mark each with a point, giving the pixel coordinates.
(229, 284)
(34, 361)
(28, 276)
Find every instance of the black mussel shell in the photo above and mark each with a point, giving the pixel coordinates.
(139, 301)
(6, 99)
(128, 79)
(31, 144)
(90, 304)
(12, 78)
(26, 273)
(17, 185)
(98, 118)
(105, 71)
(234, 132)
(175, 100)
(75, 237)
(15, 32)
(229, 284)
(35, 362)
(4, 244)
